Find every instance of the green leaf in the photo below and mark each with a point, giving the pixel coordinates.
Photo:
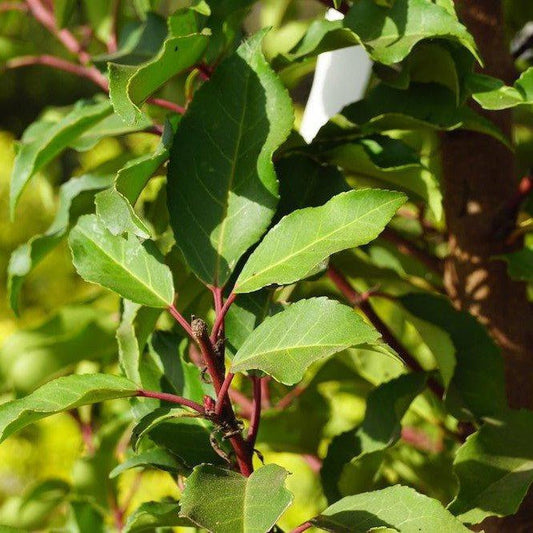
(85, 518)
(302, 240)
(150, 516)
(389, 34)
(63, 10)
(286, 344)
(491, 93)
(135, 271)
(423, 105)
(130, 86)
(494, 468)
(29, 357)
(35, 154)
(520, 264)
(381, 429)
(27, 256)
(99, 15)
(478, 383)
(115, 206)
(222, 188)
(156, 458)
(399, 508)
(60, 395)
(236, 504)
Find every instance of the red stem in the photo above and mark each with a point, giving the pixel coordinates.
(163, 396)
(256, 413)
(265, 392)
(181, 321)
(47, 19)
(304, 527)
(61, 64)
(112, 44)
(219, 321)
(12, 6)
(354, 297)
(221, 397)
(290, 397)
(165, 104)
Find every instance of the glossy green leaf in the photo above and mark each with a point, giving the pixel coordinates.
(85, 517)
(495, 468)
(130, 86)
(35, 154)
(286, 344)
(150, 516)
(30, 356)
(60, 395)
(389, 34)
(155, 458)
(423, 105)
(27, 256)
(222, 188)
(399, 508)
(135, 271)
(520, 264)
(302, 240)
(236, 504)
(99, 14)
(478, 383)
(115, 206)
(494, 95)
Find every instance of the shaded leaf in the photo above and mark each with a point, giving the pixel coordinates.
(60, 395)
(35, 154)
(286, 344)
(293, 248)
(222, 188)
(520, 264)
(28, 255)
(136, 271)
(495, 468)
(236, 504)
(63, 10)
(399, 508)
(478, 383)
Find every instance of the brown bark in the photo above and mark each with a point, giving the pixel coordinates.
(479, 182)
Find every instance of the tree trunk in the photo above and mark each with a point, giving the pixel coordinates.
(479, 184)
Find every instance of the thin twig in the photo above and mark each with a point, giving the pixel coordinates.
(354, 298)
(304, 527)
(219, 321)
(13, 6)
(221, 397)
(172, 398)
(256, 413)
(290, 397)
(181, 320)
(60, 64)
(265, 392)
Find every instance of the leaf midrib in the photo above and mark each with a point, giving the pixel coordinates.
(325, 237)
(132, 274)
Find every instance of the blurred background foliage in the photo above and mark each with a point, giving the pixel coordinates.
(59, 448)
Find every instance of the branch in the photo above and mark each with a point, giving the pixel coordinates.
(13, 6)
(304, 527)
(221, 398)
(354, 297)
(181, 321)
(256, 413)
(47, 19)
(290, 397)
(60, 64)
(406, 247)
(163, 396)
(219, 321)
